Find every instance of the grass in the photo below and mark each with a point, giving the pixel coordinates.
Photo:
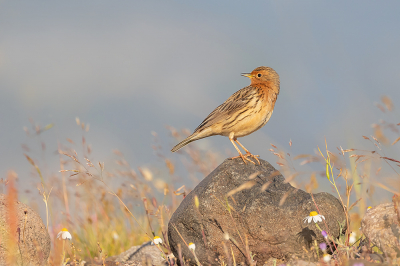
(107, 210)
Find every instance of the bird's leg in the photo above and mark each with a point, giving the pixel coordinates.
(247, 152)
(240, 154)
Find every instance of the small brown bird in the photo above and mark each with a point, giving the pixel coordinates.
(246, 111)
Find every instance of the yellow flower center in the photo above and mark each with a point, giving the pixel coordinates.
(190, 243)
(156, 237)
(369, 207)
(64, 230)
(313, 213)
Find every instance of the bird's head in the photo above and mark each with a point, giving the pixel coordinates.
(264, 75)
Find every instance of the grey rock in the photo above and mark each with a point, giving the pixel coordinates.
(33, 240)
(381, 227)
(352, 262)
(270, 220)
(145, 254)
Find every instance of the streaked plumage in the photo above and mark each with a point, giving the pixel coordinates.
(246, 111)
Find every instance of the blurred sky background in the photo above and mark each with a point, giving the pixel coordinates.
(132, 67)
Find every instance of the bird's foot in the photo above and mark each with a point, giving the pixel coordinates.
(244, 158)
(253, 156)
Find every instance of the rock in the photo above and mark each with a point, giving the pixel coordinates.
(110, 263)
(353, 262)
(33, 246)
(381, 227)
(145, 254)
(275, 262)
(270, 220)
(303, 263)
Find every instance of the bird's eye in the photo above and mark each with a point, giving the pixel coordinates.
(259, 75)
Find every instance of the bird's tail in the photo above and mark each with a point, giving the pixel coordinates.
(185, 142)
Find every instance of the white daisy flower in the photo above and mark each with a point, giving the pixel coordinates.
(369, 207)
(315, 217)
(352, 238)
(192, 246)
(157, 240)
(64, 234)
(327, 258)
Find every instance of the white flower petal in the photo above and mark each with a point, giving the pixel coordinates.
(327, 257)
(310, 218)
(317, 219)
(352, 238)
(157, 240)
(66, 235)
(192, 246)
(322, 216)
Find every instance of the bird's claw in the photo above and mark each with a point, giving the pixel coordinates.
(244, 158)
(252, 156)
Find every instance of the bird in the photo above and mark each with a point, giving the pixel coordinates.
(244, 112)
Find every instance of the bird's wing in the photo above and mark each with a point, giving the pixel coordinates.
(236, 103)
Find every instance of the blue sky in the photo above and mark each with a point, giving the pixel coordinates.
(132, 67)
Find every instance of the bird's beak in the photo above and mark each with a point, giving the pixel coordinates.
(249, 75)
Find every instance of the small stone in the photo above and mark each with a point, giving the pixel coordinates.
(381, 226)
(142, 254)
